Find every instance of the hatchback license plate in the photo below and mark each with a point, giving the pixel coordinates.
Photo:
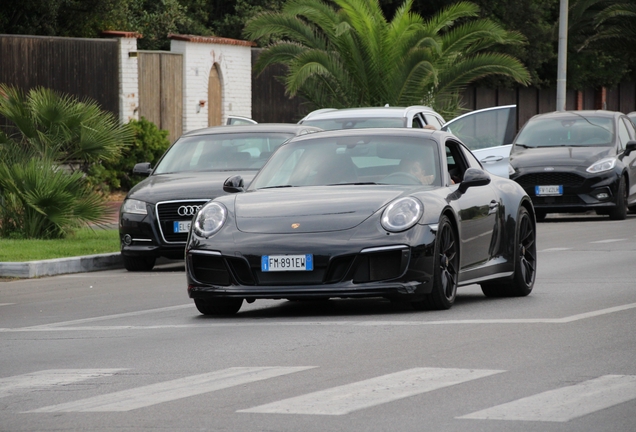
(182, 227)
(287, 263)
(548, 190)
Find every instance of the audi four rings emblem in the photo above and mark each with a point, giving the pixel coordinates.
(188, 210)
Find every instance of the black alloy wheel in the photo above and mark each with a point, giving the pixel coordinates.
(446, 269)
(522, 281)
(620, 211)
(218, 306)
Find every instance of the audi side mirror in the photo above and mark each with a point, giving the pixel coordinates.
(234, 184)
(142, 168)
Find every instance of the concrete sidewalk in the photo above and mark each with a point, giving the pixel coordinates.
(80, 264)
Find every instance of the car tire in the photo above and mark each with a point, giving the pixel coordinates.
(620, 211)
(522, 281)
(218, 306)
(138, 263)
(446, 270)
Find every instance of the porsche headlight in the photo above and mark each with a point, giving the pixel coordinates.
(602, 165)
(134, 206)
(402, 214)
(209, 219)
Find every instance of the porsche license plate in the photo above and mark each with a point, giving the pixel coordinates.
(271, 263)
(555, 190)
(181, 227)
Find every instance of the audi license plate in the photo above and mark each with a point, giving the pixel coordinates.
(287, 263)
(548, 190)
(182, 227)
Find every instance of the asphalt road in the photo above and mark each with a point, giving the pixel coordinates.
(124, 351)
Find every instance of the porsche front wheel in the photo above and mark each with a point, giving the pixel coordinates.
(525, 262)
(445, 271)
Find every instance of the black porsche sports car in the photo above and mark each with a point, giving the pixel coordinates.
(402, 214)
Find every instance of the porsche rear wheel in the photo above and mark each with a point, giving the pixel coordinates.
(446, 269)
(525, 262)
(219, 306)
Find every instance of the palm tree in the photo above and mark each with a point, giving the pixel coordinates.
(352, 56)
(41, 194)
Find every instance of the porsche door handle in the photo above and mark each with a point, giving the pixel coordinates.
(492, 207)
(491, 159)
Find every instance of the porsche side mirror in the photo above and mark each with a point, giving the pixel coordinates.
(142, 168)
(474, 177)
(234, 184)
(630, 147)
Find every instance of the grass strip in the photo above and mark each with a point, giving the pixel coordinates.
(85, 241)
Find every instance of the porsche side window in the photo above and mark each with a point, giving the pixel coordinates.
(456, 163)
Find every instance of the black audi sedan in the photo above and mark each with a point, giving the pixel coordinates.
(577, 161)
(155, 217)
(401, 214)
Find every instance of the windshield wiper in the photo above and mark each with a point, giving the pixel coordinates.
(274, 187)
(354, 183)
(525, 146)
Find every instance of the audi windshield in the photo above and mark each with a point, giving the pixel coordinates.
(221, 152)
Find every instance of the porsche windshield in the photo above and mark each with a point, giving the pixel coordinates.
(219, 152)
(567, 131)
(352, 160)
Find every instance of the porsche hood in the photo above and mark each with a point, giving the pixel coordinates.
(309, 209)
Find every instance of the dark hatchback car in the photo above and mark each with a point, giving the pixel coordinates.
(155, 217)
(577, 161)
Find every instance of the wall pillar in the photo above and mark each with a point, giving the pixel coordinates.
(128, 74)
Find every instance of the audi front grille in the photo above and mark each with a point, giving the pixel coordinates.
(169, 212)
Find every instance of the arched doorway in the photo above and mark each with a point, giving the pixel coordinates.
(215, 98)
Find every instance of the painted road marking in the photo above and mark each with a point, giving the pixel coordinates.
(49, 378)
(250, 323)
(153, 394)
(608, 241)
(567, 403)
(375, 391)
(556, 249)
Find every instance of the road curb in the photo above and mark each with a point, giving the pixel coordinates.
(51, 267)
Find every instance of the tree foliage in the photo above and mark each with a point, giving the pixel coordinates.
(352, 56)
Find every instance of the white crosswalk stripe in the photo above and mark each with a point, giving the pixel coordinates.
(140, 397)
(49, 378)
(375, 391)
(567, 403)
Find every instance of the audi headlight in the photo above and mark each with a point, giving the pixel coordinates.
(134, 206)
(602, 165)
(402, 214)
(209, 219)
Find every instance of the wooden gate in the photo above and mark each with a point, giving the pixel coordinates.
(161, 90)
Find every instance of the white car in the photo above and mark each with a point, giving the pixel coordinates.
(488, 132)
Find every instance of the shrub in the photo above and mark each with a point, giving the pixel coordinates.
(148, 145)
